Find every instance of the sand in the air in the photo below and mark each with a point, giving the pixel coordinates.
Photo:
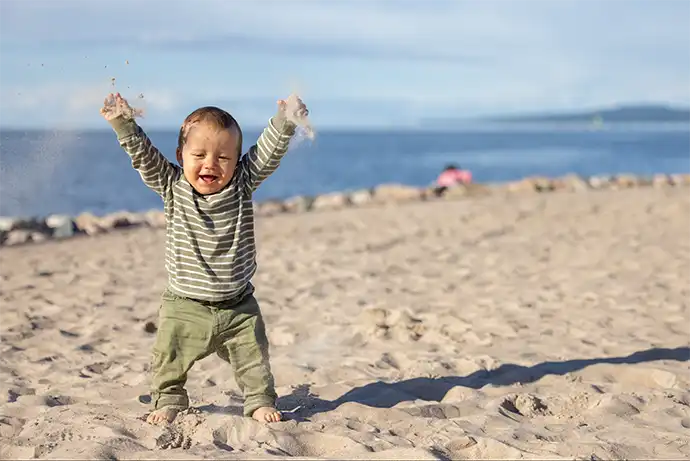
(540, 326)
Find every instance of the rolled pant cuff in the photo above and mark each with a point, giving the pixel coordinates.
(179, 402)
(250, 406)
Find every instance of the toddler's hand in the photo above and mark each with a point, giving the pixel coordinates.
(293, 107)
(115, 105)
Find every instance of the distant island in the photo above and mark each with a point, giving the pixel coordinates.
(623, 114)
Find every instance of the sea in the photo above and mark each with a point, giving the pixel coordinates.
(70, 172)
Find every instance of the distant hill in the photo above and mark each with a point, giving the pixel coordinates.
(622, 114)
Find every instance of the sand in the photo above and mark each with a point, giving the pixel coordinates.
(537, 326)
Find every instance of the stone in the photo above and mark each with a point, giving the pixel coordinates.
(361, 197)
(625, 181)
(680, 179)
(29, 224)
(571, 183)
(155, 219)
(332, 201)
(644, 181)
(599, 182)
(532, 184)
(269, 208)
(542, 184)
(18, 237)
(88, 224)
(7, 223)
(298, 204)
(121, 219)
(61, 226)
(515, 186)
(392, 193)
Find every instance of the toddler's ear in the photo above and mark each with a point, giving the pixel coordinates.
(178, 154)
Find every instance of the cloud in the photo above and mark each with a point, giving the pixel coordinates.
(431, 30)
(70, 105)
(393, 56)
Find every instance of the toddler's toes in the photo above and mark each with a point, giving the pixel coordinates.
(161, 415)
(267, 414)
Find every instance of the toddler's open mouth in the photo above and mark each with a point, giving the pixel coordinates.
(207, 178)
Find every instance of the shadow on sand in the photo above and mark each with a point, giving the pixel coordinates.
(387, 395)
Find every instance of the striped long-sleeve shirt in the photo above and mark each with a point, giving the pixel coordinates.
(210, 246)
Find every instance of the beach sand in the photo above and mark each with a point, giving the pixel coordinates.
(534, 326)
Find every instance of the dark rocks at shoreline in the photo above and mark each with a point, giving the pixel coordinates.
(17, 231)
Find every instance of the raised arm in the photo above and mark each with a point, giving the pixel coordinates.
(263, 158)
(156, 171)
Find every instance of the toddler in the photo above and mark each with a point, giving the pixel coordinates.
(208, 305)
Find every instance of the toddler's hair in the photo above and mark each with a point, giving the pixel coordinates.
(218, 118)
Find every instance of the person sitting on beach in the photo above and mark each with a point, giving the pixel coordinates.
(208, 305)
(452, 176)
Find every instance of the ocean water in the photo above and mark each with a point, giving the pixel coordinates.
(45, 172)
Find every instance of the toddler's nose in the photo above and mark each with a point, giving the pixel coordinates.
(210, 162)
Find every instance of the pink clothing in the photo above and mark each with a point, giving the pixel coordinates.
(452, 177)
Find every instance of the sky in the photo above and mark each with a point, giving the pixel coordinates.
(355, 63)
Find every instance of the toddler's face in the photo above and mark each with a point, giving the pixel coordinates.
(209, 156)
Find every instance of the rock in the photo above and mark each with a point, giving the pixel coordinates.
(625, 181)
(392, 193)
(61, 226)
(644, 181)
(661, 180)
(269, 208)
(531, 184)
(332, 201)
(16, 231)
(542, 184)
(20, 236)
(39, 237)
(571, 183)
(298, 204)
(361, 197)
(121, 219)
(29, 224)
(155, 219)
(7, 223)
(680, 179)
(517, 186)
(599, 182)
(89, 224)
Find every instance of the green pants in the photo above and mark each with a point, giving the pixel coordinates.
(190, 330)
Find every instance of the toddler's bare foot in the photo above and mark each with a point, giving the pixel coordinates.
(165, 414)
(267, 415)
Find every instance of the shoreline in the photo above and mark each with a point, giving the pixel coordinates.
(24, 230)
